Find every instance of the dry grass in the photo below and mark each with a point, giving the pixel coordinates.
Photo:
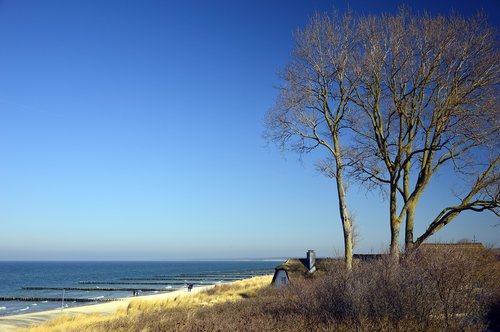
(218, 294)
(76, 322)
(137, 309)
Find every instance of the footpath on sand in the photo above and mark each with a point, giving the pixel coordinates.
(11, 323)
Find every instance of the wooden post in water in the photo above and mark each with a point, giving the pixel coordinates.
(62, 302)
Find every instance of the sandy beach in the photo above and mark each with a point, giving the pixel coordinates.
(11, 323)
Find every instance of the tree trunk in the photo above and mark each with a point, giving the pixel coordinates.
(410, 220)
(410, 213)
(344, 216)
(395, 223)
(394, 251)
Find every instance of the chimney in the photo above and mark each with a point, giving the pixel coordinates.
(311, 261)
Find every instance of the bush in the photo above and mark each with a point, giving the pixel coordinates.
(428, 290)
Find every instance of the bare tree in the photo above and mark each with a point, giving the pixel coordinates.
(428, 89)
(311, 108)
(393, 100)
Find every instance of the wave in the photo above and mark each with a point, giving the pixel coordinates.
(97, 297)
(34, 304)
(3, 308)
(24, 309)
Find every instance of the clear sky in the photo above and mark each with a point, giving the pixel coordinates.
(133, 130)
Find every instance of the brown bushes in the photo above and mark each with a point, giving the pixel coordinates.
(428, 290)
(446, 290)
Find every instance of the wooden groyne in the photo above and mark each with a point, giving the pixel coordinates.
(111, 289)
(129, 283)
(216, 275)
(186, 278)
(55, 299)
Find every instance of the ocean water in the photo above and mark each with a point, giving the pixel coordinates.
(106, 280)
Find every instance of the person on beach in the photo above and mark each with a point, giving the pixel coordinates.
(190, 286)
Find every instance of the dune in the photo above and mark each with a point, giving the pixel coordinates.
(11, 323)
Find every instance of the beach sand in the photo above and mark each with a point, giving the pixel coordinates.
(11, 323)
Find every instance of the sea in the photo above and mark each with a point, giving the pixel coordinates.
(27, 287)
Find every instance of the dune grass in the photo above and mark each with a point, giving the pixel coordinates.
(138, 309)
(217, 294)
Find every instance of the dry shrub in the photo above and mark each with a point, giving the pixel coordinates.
(428, 290)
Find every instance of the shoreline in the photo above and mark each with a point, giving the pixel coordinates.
(13, 322)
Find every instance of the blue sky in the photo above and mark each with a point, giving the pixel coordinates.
(133, 130)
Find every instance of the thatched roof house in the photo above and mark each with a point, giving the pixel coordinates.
(469, 249)
(468, 246)
(368, 257)
(294, 268)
